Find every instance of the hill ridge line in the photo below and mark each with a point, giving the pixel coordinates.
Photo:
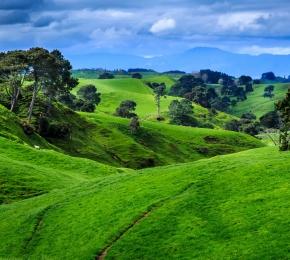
(103, 253)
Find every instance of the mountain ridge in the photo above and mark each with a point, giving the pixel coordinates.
(193, 59)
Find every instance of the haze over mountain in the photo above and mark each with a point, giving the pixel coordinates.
(191, 60)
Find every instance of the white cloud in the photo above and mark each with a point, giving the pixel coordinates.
(242, 21)
(257, 50)
(163, 25)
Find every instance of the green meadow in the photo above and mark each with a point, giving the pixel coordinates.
(258, 104)
(71, 208)
(170, 192)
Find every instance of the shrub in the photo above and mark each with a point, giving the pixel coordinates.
(106, 75)
(126, 109)
(271, 120)
(134, 125)
(137, 76)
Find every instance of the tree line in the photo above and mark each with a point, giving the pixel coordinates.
(196, 89)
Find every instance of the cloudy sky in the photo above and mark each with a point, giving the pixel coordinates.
(146, 28)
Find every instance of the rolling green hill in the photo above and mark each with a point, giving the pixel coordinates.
(169, 82)
(259, 105)
(73, 198)
(225, 207)
(26, 172)
(114, 91)
(94, 135)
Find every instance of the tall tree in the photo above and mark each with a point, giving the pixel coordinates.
(159, 91)
(283, 107)
(40, 64)
(60, 80)
(51, 73)
(13, 70)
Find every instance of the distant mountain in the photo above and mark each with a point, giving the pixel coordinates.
(192, 60)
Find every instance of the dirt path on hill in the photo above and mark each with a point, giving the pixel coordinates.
(103, 253)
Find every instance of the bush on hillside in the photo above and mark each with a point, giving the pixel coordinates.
(134, 125)
(181, 113)
(106, 75)
(271, 120)
(247, 125)
(126, 109)
(268, 91)
(89, 93)
(137, 76)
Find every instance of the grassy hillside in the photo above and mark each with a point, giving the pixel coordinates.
(114, 91)
(27, 172)
(10, 128)
(94, 136)
(225, 207)
(259, 105)
(169, 82)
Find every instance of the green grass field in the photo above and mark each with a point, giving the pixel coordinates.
(205, 193)
(224, 207)
(114, 91)
(259, 105)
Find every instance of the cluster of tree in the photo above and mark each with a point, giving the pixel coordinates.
(250, 125)
(268, 91)
(106, 75)
(195, 89)
(86, 100)
(283, 107)
(271, 120)
(246, 124)
(48, 73)
(270, 77)
(181, 113)
(140, 70)
(126, 110)
(174, 72)
(213, 77)
(137, 75)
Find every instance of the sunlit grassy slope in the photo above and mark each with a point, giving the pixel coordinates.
(233, 206)
(169, 81)
(27, 172)
(107, 139)
(114, 91)
(259, 105)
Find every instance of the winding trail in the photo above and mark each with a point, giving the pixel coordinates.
(103, 253)
(36, 228)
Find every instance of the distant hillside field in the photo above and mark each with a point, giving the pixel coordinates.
(259, 105)
(207, 209)
(114, 91)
